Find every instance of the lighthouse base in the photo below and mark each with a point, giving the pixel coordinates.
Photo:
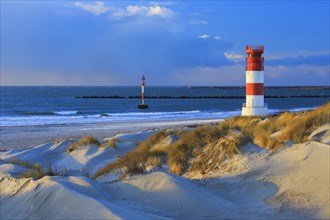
(260, 111)
(143, 106)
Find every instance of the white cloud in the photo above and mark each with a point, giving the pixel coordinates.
(294, 54)
(217, 38)
(133, 9)
(234, 75)
(166, 3)
(117, 13)
(161, 11)
(204, 36)
(148, 11)
(302, 75)
(96, 8)
(198, 22)
(235, 57)
(228, 75)
(321, 70)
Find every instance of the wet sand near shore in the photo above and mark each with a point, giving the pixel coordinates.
(30, 136)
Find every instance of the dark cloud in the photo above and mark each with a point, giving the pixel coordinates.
(200, 52)
(154, 49)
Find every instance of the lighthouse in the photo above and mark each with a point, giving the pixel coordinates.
(254, 82)
(143, 105)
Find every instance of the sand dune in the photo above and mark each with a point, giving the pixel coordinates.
(90, 158)
(174, 195)
(322, 134)
(302, 173)
(61, 198)
(292, 183)
(31, 136)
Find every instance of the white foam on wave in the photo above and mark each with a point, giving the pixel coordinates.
(301, 109)
(48, 120)
(66, 112)
(150, 113)
(66, 118)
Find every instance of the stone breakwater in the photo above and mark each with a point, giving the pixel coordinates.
(198, 97)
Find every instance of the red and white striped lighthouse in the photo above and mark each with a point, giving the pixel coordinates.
(143, 105)
(254, 82)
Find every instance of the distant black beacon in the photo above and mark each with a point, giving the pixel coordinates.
(142, 106)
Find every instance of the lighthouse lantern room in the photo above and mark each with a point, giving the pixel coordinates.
(254, 82)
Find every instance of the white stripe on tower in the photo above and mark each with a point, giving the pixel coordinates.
(254, 76)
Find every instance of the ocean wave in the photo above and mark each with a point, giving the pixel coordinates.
(49, 120)
(301, 109)
(112, 117)
(75, 112)
(137, 114)
(66, 112)
(35, 113)
(73, 117)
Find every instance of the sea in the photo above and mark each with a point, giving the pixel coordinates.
(57, 105)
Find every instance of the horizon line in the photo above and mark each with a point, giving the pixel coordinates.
(232, 86)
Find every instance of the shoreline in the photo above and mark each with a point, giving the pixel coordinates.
(13, 137)
(147, 174)
(28, 136)
(198, 97)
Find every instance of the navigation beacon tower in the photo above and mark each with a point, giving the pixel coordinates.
(143, 105)
(254, 82)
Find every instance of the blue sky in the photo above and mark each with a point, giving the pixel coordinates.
(171, 42)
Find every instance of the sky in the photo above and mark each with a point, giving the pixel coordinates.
(173, 43)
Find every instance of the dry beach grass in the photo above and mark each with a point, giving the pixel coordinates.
(227, 137)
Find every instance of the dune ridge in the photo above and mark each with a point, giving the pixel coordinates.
(244, 182)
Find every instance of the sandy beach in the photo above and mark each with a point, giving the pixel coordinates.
(30, 136)
(49, 181)
(292, 184)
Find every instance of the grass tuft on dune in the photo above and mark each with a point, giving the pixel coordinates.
(303, 124)
(226, 138)
(84, 141)
(36, 171)
(135, 162)
(110, 143)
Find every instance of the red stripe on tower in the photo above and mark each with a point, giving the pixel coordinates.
(254, 82)
(254, 89)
